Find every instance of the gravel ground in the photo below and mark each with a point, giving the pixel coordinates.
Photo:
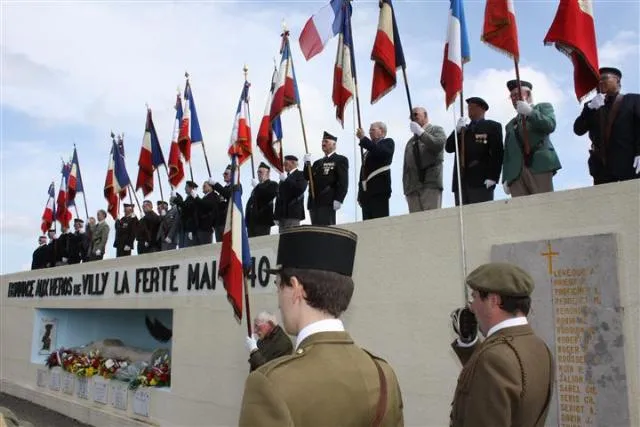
(38, 415)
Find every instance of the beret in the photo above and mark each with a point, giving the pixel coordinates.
(512, 84)
(501, 278)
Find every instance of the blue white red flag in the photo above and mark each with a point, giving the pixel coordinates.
(116, 181)
(345, 69)
(456, 53)
(75, 179)
(150, 156)
(240, 144)
(190, 126)
(235, 257)
(286, 91)
(270, 132)
(49, 210)
(387, 53)
(320, 28)
(63, 214)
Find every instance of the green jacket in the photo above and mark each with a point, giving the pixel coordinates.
(329, 381)
(274, 345)
(540, 124)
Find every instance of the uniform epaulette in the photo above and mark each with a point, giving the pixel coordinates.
(280, 361)
(373, 356)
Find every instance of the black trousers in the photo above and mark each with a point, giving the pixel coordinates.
(121, 252)
(204, 237)
(219, 231)
(375, 207)
(323, 215)
(471, 195)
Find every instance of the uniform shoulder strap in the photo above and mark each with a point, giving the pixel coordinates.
(612, 116)
(381, 407)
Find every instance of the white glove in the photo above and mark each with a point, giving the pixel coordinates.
(98, 252)
(524, 108)
(636, 164)
(505, 187)
(489, 183)
(307, 157)
(146, 244)
(416, 129)
(65, 259)
(283, 176)
(462, 122)
(173, 193)
(254, 182)
(126, 248)
(190, 235)
(251, 344)
(336, 205)
(167, 239)
(194, 193)
(276, 222)
(596, 102)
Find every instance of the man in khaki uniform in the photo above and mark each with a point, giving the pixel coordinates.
(507, 379)
(329, 380)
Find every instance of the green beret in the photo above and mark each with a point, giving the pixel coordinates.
(502, 279)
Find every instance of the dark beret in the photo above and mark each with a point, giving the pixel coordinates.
(291, 157)
(128, 205)
(502, 279)
(78, 221)
(318, 248)
(611, 70)
(264, 166)
(191, 184)
(512, 84)
(479, 102)
(327, 135)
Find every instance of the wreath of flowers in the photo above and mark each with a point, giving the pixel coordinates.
(88, 365)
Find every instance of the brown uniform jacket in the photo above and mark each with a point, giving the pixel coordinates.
(329, 381)
(505, 381)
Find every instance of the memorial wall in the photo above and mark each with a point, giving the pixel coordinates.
(170, 310)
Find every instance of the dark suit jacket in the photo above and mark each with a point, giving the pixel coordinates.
(260, 205)
(208, 209)
(225, 195)
(188, 213)
(290, 200)
(379, 154)
(330, 180)
(126, 232)
(39, 259)
(274, 345)
(624, 141)
(507, 380)
(483, 152)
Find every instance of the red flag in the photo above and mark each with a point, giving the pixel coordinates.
(240, 144)
(573, 32)
(387, 53)
(176, 168)
(344, 71)
(500, 30)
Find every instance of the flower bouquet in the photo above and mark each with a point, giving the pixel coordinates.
(156, 375)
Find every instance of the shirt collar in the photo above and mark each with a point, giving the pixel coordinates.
(326, 325)
(514, 321)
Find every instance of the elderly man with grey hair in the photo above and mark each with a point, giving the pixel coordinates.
(269, 340)
(374, 188)
(423, 157)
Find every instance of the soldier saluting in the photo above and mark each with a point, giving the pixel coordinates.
(330, 180)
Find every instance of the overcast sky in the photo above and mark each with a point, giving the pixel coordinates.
(72, 72)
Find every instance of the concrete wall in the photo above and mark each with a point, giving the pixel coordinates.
(408, 278)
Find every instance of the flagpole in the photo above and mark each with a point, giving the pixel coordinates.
(461, 161)
(54, 204)
(134, 195)
(245, 69)
(285, 35)
(463, 250)
(355, 80)
(160, 183)
(84, 197)
(246, 302)
(406, 87)
(525, 137)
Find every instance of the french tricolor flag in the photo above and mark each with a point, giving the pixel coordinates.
(151, 156)
(320, 28)
(176, 168)
(49, 210)
(75, 180)
(270, 132)
(344, 72)
(190, 126)
(235, 257)
(456, 53)
(241, 133)
(286, 91)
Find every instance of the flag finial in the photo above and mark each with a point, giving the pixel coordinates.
(113, 135)
(245, 69)
(186, 74)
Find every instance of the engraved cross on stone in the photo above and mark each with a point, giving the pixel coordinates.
(549, 255)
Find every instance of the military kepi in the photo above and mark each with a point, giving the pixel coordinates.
(328, 136)
(512, 84)
(263, 165)
(479, 102)
(191, 184)
(128, 205)
(611, 70)
(318, 248)
(502, 279)
(291, 157)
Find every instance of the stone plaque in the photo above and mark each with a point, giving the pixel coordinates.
(83, 387)
(576, 310)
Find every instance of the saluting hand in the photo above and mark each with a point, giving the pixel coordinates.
(596, 102)
(251, 343)
(524, 108)
(360, 133)
(465, 325)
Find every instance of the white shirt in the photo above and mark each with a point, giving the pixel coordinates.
(326, 325)
(514, 321)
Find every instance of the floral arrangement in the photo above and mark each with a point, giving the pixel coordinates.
(137, 374)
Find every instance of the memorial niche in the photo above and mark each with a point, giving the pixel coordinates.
(132, 346)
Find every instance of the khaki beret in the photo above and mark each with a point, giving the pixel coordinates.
(501, 278)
